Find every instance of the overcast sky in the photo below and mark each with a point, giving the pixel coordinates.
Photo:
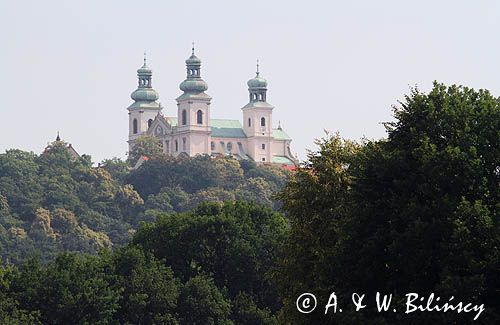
(335, 65)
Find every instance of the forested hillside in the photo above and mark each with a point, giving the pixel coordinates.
(417, 212)
(221, 259)
(53, 202)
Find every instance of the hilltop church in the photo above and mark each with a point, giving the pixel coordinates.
(193, 131)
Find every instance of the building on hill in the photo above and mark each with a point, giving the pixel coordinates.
(193, 131)
(69, 148)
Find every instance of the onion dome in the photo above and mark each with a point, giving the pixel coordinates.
(144, 70)
(257, 82)
(193, 83)
(195, 86)
(193, 60)
(144, 96)
(257, 87)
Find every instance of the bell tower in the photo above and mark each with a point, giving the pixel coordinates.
(257, 119)
(144, 109)
(193, 111)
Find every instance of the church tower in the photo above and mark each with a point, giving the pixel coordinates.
(144, 109)
(257, 119)
(193, 112)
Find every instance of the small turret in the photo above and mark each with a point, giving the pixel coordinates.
(193, 84)
(145, 106)
(145, 91)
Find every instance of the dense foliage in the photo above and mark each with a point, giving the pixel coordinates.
(208, 266)
(418, 212)
(54, 202)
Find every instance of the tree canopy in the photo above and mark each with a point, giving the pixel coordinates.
(417, 212)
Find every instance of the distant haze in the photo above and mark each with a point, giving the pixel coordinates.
(335, 65)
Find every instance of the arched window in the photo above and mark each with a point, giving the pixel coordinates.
(212, 146)
(249, 122)
(184, 117)
(229, 146)
(150, 121)
(184, 144)
(176, 146)
(263, 122)
(134, 126)
(199, 117)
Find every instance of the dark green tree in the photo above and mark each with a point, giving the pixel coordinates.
(235, 243)
(145, 146)
(417, 212)
(201, 302)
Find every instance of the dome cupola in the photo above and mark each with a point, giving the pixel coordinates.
(193, 83)
(144, 93)
(257, 87)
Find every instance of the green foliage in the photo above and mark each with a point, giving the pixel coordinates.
(221, 277)
(417, 212)
(149, 289)
(58, 202)
(55, 202)
(117, 168)
(145, 146)
(201, 302)
(186, 182)
(235, 243)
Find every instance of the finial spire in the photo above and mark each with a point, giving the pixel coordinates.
(279, 125)
(144, 57)
(58, 138)
(192, 49)
(257, 66)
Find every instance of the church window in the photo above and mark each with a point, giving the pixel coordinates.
(212, 146)
(263, 146)
(263, 159)
(184, 144)
(184, 117)
(249, 122)
(134, 126)
(263, 122)
(167, 146)
(150, 121)
(229, 146)
(176, 146)
(199, 117)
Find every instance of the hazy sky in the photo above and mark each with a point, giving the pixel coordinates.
(335, 65)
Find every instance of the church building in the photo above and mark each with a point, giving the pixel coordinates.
(193, 131)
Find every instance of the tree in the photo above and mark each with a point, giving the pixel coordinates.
(70, 290)
(236, 243)
(417, 212)
(201, 302)
(149, 289)
(116, 167)
(147, 146)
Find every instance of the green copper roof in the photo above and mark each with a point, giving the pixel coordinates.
(227, 128)
(257, 82)
(258, 104)
(279, 134)
(223, 128)
(282, 160)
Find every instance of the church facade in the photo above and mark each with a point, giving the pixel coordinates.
(193, 131)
